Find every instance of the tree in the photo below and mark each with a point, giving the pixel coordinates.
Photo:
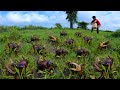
(71, 17)
(83, 24)
(58, 25)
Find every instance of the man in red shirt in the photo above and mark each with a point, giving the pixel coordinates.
(96, 21)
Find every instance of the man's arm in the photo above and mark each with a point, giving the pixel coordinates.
(92, 21)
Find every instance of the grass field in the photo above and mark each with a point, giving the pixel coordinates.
(26, 50)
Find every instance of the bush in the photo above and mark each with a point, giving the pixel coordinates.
(58, 25)
(14, 34)
(3, 28)
(116, 33)
(3, 39)
(82, 25)
(108, 31)
(31, 27)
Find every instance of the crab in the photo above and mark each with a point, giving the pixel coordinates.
(52, 38)
(60, 52)
(34, 38)
(10, 67)
(76, 68)
(81, 52)
(87, 39)
(78, 34)
(107, 62)
(69, 41)
(103, 45)
(62, 33)
(38, 49)
(14, 47)
(43, 64)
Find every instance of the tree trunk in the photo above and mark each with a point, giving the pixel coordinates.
(71, 24)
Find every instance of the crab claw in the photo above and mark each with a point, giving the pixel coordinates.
(79, 56)
(96, 66)
(57, 56)
(103, 44)
(18, 43)
(97, 60)
(53, 38)
(11, 61)
(78, 67)
(92, 77)
(9, 65)
(9, 69)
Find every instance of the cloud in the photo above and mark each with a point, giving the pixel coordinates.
(18, 17)
(42, 18)
(109, 19)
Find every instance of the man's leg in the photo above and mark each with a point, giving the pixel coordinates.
(98, 29)
(91, 29)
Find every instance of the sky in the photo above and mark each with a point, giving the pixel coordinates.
(110, 20)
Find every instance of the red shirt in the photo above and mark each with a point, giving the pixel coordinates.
(97, 21)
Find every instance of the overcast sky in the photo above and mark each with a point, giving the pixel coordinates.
(110, 20)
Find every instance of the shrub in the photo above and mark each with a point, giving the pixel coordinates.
(82, 25)
(14, 34)
(116, 33)
(3, 28)
(58, 25)
(108, 31)
(31, 27)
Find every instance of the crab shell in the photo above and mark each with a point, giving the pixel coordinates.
(22, 64)
(41, 65)
(108, 62)
(60, 52)
(81, 52)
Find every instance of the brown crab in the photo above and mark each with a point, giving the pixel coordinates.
(87, 39)
(107, 62)
(23, 63)
(103, 45)
(74, 67)
(34, 38)
(81, 52)
(52, 39)
(60, 52)
(78, 34)
(62, 33)
(69, 41)
(10, 67)
(43, 64)
(37, 48)
(14, 47)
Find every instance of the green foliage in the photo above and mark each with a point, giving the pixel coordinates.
(83, 24)
(14, 34)
(58, 25)
(71, 16)
(116, 33)
(108, 31)
(31, 27)
(27, 51)
(3, 29)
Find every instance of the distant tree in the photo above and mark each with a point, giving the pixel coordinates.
(82, 25)
(30, 26)
(71, 17)
(58, 25)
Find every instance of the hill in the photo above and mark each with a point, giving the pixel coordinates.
(23, 37)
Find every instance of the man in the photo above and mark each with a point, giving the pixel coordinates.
(96, 21)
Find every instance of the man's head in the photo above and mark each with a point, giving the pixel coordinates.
(94, 17)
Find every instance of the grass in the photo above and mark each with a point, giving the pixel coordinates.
(27, 51)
